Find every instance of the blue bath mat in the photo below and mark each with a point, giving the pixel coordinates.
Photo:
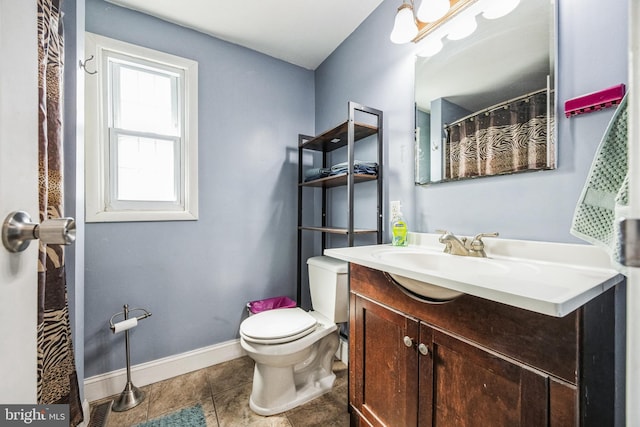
(188, 417)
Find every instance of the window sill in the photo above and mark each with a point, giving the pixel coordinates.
(139, 216)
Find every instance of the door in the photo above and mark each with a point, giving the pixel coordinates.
(18, 191)
(633, 278)
(383, 364)
(472, 386)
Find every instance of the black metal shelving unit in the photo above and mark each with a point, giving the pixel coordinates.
(346, 134)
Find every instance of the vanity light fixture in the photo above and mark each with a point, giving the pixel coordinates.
(432, 10)
(405, 28)
(461, 23)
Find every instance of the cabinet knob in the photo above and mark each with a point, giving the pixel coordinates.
(423, 349)
(408, 341)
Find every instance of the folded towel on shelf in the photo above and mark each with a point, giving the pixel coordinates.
(316, 173)
(604, 198)
(368, 168)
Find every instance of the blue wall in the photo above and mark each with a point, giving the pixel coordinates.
(197, 276)
(369, 69)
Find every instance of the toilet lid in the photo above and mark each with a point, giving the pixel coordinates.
(278, 326)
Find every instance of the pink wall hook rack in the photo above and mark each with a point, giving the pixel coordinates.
(594, 101)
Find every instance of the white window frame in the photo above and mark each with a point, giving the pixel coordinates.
(100, 176)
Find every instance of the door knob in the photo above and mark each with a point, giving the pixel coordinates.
(423, 349)
(407, 341)
(18, 231)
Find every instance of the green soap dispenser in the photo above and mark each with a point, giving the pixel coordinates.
(398, 226)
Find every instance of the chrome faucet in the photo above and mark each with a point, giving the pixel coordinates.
(461, 246)
(453, 245)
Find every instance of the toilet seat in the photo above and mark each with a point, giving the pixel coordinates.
(278, 326)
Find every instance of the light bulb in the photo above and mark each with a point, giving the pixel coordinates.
(432, 10)
(499, 8)
(405, 28)
(463, 27)
(430, 47)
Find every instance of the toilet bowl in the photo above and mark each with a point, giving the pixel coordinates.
(293, 349)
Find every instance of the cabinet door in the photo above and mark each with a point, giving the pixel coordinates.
(471, 386)
(382, 364)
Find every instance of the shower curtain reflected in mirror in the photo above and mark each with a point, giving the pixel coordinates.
(507, 138)
(57, 377)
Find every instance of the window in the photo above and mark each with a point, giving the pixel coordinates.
(141, 145)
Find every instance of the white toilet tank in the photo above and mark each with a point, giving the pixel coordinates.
(329, 288)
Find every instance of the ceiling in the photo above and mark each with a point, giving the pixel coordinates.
(301, 32)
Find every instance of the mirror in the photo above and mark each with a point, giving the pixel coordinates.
(479, 99)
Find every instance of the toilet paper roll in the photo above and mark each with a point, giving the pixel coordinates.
(125, 324)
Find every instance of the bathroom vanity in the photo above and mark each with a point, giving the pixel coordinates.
(475, 361)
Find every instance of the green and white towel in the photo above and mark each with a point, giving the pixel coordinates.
(604, 199)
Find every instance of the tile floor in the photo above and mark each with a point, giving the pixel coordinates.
(223, 391)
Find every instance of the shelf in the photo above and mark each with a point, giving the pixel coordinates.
(337, 137)
(336, 230)
(338, 180)
(367, 130)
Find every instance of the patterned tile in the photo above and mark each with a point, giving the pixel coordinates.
(342, 374)
(227, 375)
(232, 407)
(179, 392)
(223, 391)
(328, 410)
(209, 410)
(130, 417)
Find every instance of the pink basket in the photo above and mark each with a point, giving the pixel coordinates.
(269, 304)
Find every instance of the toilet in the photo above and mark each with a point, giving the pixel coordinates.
(293, 349)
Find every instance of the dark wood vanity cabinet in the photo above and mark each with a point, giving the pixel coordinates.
(473, 362)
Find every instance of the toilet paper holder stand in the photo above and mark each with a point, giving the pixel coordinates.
(131, 396)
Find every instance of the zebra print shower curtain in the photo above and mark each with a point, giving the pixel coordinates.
(57, 378)
(504, 139)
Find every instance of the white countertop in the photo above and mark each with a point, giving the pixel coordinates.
(544, 277)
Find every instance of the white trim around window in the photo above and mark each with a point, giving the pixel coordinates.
(103, 132)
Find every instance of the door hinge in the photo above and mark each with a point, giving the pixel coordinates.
(629, 233)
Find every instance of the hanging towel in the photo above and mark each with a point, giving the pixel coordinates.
(604, 198)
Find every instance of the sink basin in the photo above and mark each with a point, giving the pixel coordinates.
(548, 278)
(439, 261)
(429, 291)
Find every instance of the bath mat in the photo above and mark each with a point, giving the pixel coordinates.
(188, 417)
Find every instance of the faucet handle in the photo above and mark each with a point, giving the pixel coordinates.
(477, 245)
(478, 237)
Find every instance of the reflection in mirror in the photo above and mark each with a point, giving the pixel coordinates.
(485, 104)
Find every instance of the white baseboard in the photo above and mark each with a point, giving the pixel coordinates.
(343, 351)
(110, 383)
(86, 414)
